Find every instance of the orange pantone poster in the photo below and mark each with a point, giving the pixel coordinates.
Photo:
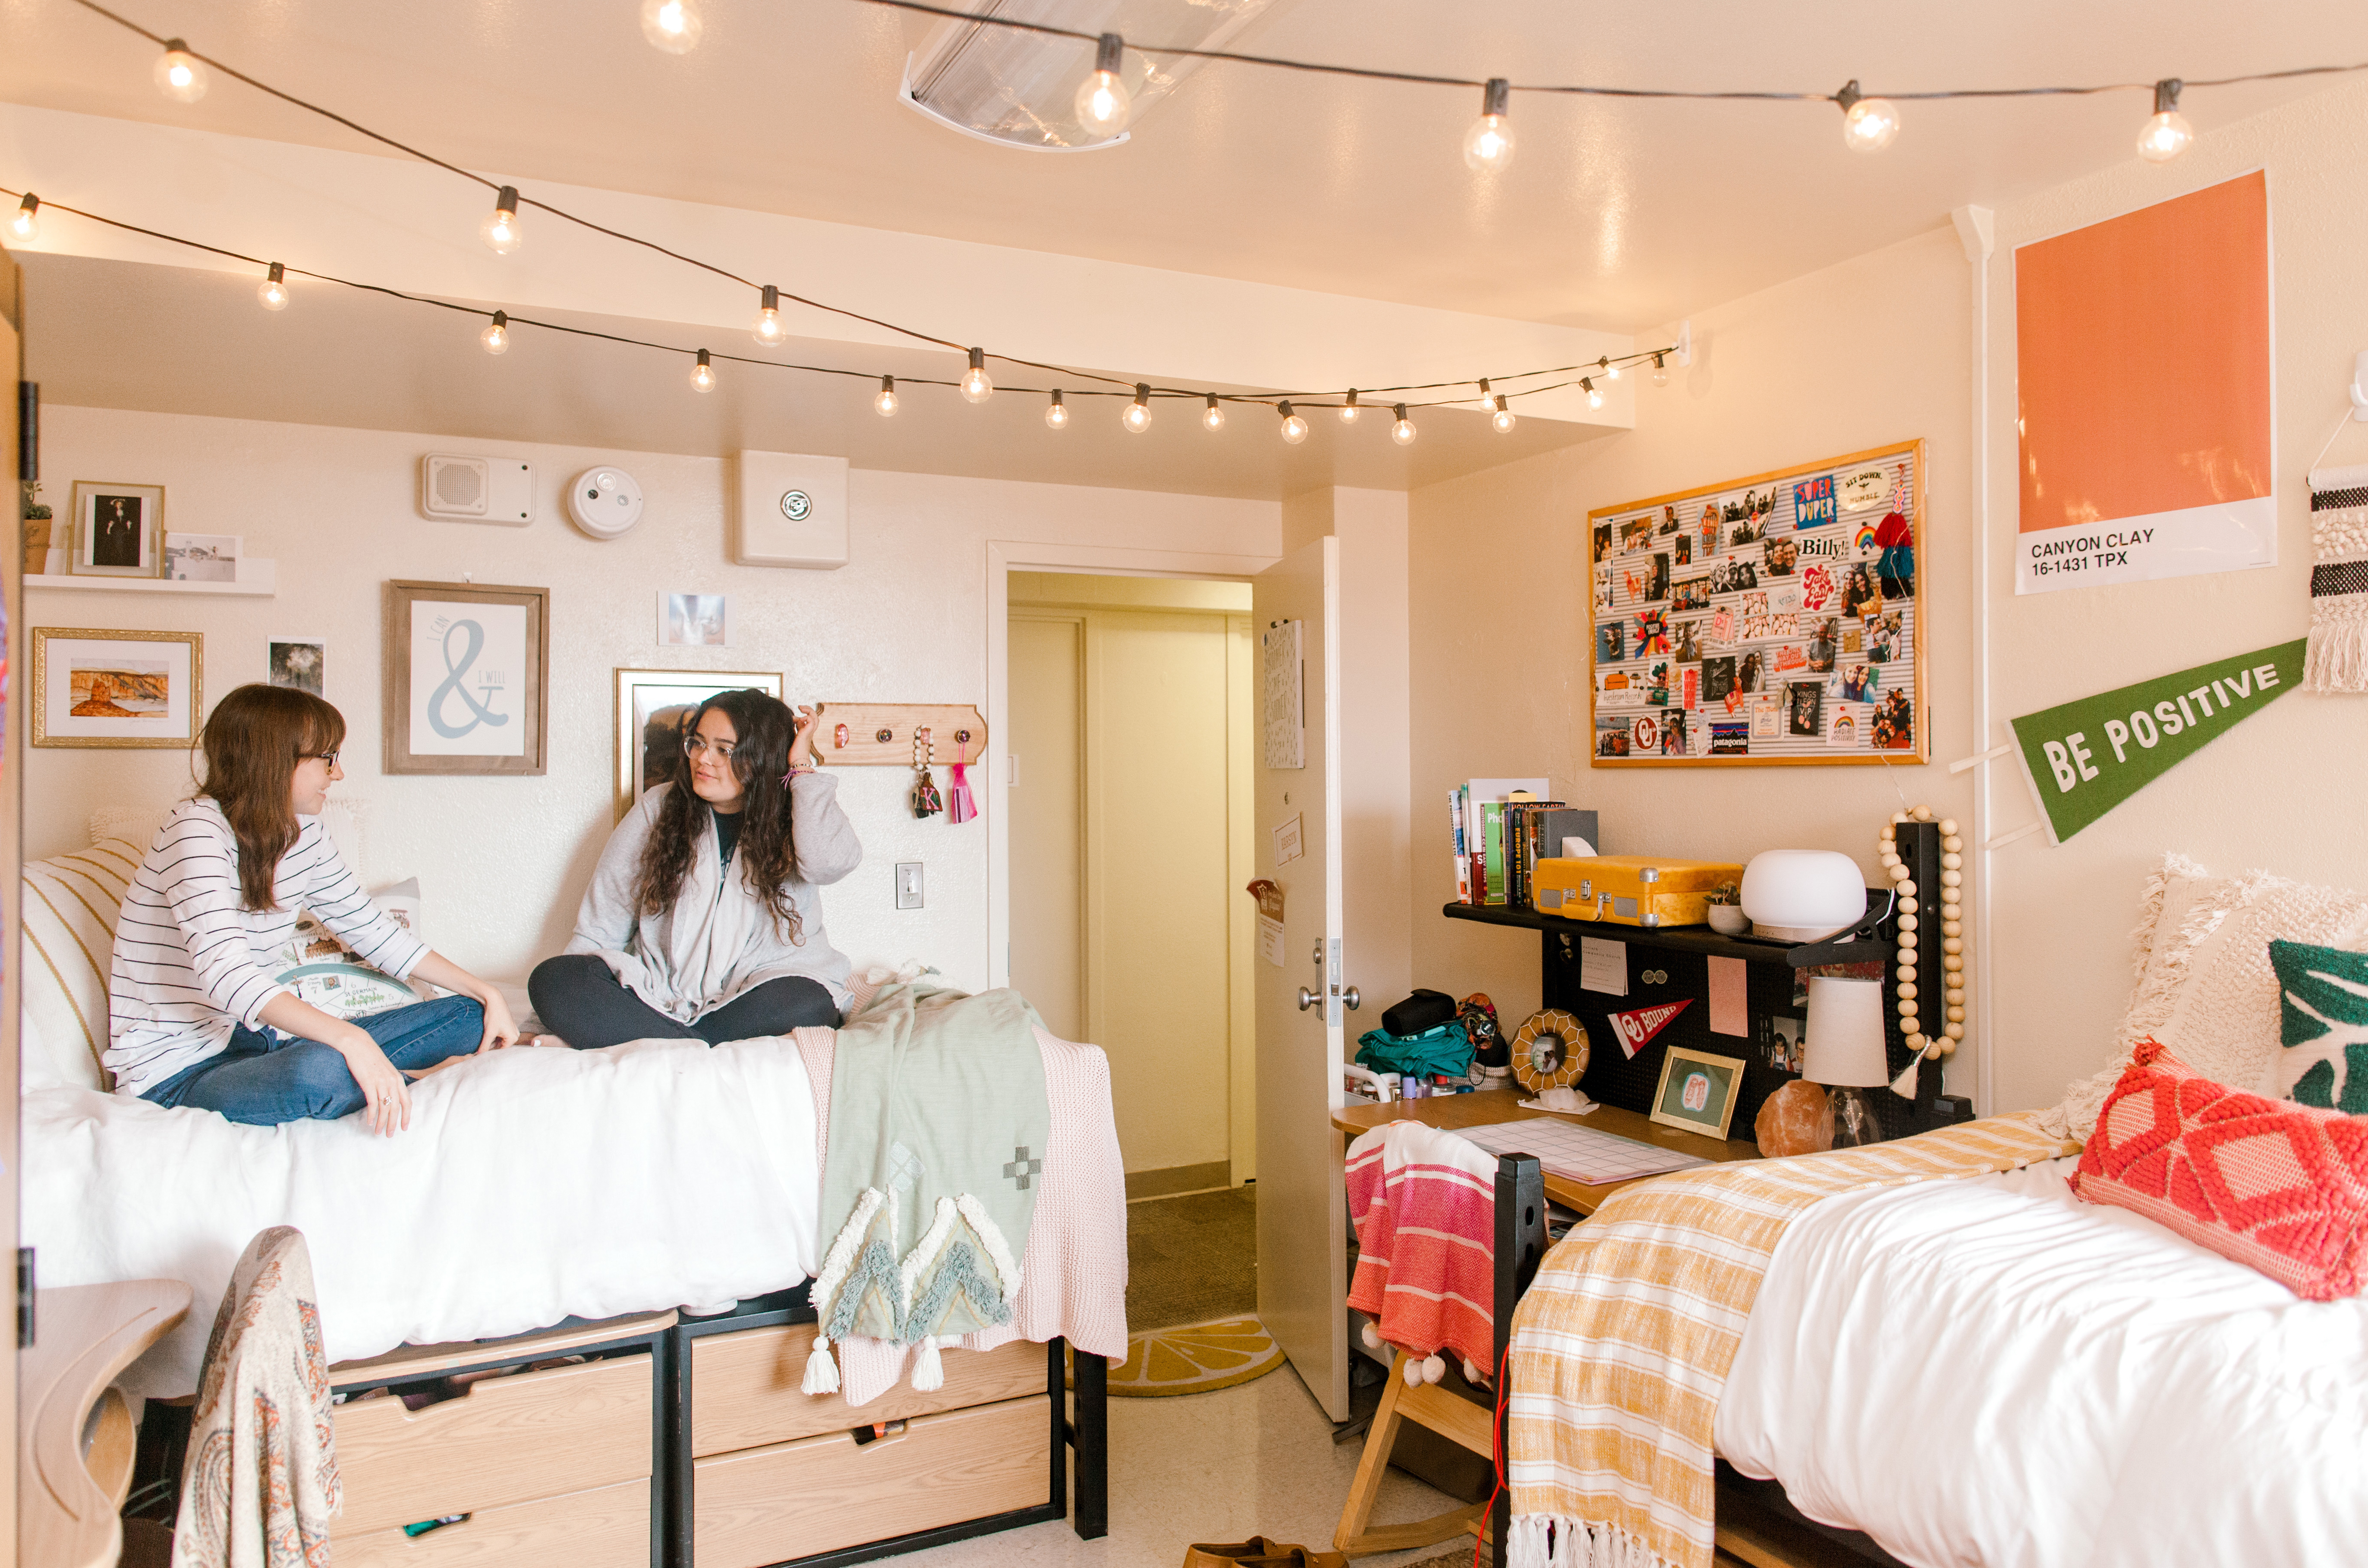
(2142, 368)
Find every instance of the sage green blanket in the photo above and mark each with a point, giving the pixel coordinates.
(937, 1132)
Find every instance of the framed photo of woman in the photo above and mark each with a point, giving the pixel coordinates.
(652, 708)
(119, 529)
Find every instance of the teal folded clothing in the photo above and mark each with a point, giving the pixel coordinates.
(1445, 1050)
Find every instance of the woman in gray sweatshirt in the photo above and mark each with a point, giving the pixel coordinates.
(702, 921)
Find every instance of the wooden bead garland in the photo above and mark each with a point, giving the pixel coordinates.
(1954, 979)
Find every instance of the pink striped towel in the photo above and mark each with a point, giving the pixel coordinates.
(1423, 1201)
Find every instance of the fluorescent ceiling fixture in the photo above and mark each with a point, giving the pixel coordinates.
(1019, 89)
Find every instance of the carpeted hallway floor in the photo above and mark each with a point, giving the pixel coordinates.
(1191, 1259)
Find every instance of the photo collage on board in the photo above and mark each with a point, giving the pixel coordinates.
(1773, 621)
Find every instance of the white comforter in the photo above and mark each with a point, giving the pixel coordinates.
(532, 1184)
(1991, 1371)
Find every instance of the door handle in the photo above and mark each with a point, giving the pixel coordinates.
(1349, 998)
(1306, 998)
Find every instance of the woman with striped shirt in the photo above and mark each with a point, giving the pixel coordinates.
(195, 1016)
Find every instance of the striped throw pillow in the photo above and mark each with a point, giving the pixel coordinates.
(71, 903)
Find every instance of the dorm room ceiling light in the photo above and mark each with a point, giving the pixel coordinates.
(702, 375)
(1213, 417)
(1503, 418)
(272, 292)
(1348, 409)
(1056, 413)
(1869, 125)
(1294, 429)
(1594, 394)
(179, 75)
(672, 24)
(884, 400)
(497, 337)
(26, 222)
(1403, 431)
(1489, 145)
(976, 387)
(1103, 102)
(1660, 370)
(1137, 416)
(768, 330)
(501, 226)
(2167, 134)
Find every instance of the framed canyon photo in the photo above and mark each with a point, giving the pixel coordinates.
(467, 679)
(124, 690)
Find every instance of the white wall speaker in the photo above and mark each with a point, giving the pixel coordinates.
(791, 510)
(455, 488)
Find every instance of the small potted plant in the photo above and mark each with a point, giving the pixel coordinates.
(1726, 910)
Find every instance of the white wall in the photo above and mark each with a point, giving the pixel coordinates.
(503, 862)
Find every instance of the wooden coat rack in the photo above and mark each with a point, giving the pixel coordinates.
(882, 734)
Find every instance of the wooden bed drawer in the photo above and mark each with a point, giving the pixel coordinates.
(790, 1500)
(744, 1388)
(533, 1434)
(606, 1528)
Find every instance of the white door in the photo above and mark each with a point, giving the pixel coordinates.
(1302, 1209)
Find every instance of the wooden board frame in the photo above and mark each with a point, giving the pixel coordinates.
(1601, 554)
(395, 711)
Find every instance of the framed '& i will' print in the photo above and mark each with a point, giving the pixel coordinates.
(1774, 619)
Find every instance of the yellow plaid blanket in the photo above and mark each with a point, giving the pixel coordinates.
(1620, 1347)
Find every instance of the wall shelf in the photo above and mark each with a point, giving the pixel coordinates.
(1699, 939)
(258, 579)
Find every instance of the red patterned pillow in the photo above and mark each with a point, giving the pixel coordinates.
(2278, 1187)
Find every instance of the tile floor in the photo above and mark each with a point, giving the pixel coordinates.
(1257, 1459)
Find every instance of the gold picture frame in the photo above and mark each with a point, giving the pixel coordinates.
(153, 682)
(1720, 1079)
(646, 698)
(467, 681)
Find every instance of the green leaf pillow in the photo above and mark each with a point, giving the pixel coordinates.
(2323, 1010)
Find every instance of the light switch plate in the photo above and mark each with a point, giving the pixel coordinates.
(908, 884)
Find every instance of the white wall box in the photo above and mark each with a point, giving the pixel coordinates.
(790, 510)
(461, 489)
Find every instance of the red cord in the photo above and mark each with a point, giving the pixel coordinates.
(1495, 1464)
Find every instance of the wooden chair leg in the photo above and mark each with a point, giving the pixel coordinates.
(1353, 1538)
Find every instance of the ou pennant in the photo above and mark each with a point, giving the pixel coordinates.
(2084, 758)
(1635, 1028)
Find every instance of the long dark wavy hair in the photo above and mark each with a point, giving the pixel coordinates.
(759, 759)
(253, 741)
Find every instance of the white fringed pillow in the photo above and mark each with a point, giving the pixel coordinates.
(2206, 989)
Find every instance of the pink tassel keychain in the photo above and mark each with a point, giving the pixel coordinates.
(961, 807)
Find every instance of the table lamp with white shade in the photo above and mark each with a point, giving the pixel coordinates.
(1842, 1048)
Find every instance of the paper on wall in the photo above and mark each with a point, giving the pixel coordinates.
(1603, 965)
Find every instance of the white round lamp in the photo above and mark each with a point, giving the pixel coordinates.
(1803, 895)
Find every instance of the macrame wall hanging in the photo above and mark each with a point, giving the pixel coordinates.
(2337, 659)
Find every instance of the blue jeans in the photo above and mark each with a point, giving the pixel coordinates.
(263, 1078)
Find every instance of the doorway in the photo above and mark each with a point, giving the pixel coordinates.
(1127, 741)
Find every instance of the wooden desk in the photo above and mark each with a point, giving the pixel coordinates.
(1496, 1105)
(85, 1335)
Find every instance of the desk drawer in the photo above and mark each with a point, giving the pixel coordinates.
(744, 1388)
(817, 1495)
(532, 1434)
(606, 1528)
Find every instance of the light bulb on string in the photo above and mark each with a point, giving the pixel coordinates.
(702, 374)
(497, 337)
(1611, 370)
(883, 402)
(1660, 370)
(1056, 413)
(1489, 145)
(769, 329)
(1137, 417)
(1103, 102)
(1213, 417)
(1403, 431)
(1869, 125)
(272, 292)
(672, 24)
(179, 74)
(1348, 409)
(26, 225)
(1503, 418)
(1594, 394)
(1294, 429)
(1487, 394)
(2167, 134)
(501, 226)
(976, 387)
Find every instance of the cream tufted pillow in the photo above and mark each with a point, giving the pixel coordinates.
(2206, 989)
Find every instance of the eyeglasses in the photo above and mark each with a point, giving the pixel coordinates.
(699, 745)
(328, 756)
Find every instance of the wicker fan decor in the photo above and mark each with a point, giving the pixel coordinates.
(1550, 1051)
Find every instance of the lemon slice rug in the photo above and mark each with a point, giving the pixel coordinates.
(1199, 1357)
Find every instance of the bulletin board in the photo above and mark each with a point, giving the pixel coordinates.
(1770, 621)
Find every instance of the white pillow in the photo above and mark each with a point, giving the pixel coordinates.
(71, 903)
(2206, 989)
(343, 818)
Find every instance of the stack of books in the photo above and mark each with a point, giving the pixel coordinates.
(1502, 828)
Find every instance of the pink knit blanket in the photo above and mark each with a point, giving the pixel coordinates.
(1073, 1275)
(1423, 1201)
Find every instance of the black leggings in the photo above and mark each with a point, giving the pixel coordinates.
(578, 999)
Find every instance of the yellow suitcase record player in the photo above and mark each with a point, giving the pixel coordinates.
(1630, 890)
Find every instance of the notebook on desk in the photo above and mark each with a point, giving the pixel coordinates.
(1574, 1153)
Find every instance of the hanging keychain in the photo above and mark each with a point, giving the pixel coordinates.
(926, 801)
(963, 807)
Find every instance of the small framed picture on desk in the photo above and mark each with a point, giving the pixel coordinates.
(1697, 1091)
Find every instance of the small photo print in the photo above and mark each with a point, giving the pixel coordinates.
(1691, 594)
(1611, 642)
(1806, 702)
(303, 666)
(1689, 643)
(1859, 683)
(1635, 534)
(1821, 646)
(1657, 581)
(1602, 540)
(693, 621)
(118, 529)
(1883, 635)
(1747, 671)
(1674, 725)
(1781, 555)
(1894, 722)
(1612, 736)
(1681, 549)
(202, 558)
(1718, 677)
(1782, 1044)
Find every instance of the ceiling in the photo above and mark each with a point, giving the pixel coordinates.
(355, 359)
(1616, 214)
